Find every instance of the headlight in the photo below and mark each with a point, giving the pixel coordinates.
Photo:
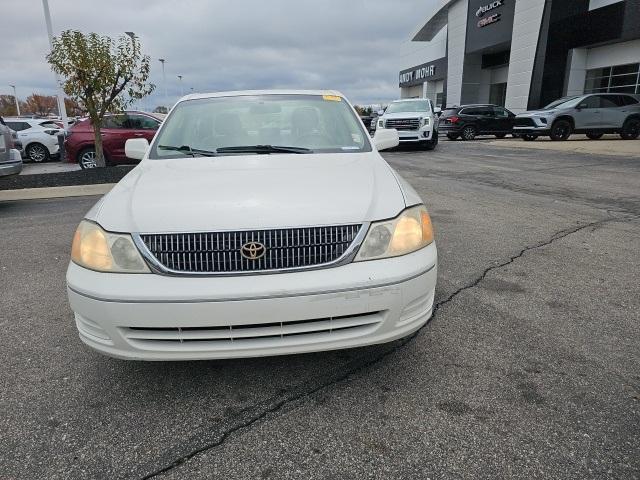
(408, 232)
(381, 123)
(102, 251)
(424, 122)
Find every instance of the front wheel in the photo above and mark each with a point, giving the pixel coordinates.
(469, 132)
(431, 144)
(37, 152)
(560, 130)
(87, 158)
(528, 137)
(452, 136)
(594, 136)
(631, 129)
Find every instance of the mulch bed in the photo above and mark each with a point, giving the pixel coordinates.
(63, 179)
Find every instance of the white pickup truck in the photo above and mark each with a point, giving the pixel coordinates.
(415, 119)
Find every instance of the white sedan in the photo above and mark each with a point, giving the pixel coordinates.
(257, 223)
(39, 137)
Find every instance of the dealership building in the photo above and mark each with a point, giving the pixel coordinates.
(522, 54)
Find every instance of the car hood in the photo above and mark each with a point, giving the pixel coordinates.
(387, 116)
(251, 192)
(536, 113)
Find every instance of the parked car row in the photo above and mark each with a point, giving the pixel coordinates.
(590, 114)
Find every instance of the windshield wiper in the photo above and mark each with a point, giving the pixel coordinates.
(263, 149)
(187, 149)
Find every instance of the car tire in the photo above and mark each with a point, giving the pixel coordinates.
(431, 144)
(631, 129)
(87, 158)
(501, 135)
(469, 132)
(36, 152)
(594, 136)
(452, 136)
(560, 130)
(528, 137)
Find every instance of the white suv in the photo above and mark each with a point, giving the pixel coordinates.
(415, 119)
(39, 137)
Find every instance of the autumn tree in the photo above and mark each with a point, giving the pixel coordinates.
(100, 73)
(40, 105)
(73, 108)
(8, 106)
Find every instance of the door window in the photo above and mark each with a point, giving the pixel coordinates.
(500, 112)
(590, 102)
(606, 101)
(142, 122)
(115, 121)
(474, 111)
(18, 126)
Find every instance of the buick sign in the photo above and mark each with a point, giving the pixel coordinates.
(490, 6)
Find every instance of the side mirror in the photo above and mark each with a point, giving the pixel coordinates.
(386, 138)
(437, 110)
(380, 113)
(136, 148)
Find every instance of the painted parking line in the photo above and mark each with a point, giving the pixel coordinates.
(55, 192)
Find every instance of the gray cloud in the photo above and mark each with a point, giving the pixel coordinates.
(348, 45)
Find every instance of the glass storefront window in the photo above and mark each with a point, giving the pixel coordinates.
(617, 78)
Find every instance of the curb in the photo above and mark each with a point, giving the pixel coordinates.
(55, 192)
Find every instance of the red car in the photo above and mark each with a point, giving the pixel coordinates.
(116, 130)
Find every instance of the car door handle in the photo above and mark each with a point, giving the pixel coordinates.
(139, 134)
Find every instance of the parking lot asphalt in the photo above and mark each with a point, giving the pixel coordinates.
(529, 368)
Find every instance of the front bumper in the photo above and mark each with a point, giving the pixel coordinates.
(12, 168)
(421, 135)
(531, 130)
(155, 317)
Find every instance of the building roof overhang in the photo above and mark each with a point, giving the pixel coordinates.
(435, 23)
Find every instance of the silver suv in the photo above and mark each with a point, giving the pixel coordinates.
(593, 114)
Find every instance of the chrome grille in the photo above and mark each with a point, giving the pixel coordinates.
(403, 123)
(220, 252)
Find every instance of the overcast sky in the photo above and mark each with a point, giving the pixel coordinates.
(348, 45)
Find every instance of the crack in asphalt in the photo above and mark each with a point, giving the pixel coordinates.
(254, 414)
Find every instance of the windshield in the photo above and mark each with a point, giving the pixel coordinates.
(263, 124)
(409, 106)
(569, 101)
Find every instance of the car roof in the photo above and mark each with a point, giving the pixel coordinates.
(241, 93)
(409, 100)
(477, 105)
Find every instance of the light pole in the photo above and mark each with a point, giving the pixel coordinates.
(164, 81)
(15, 97)
(181, 87)
(61, 107)
(133, 39)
